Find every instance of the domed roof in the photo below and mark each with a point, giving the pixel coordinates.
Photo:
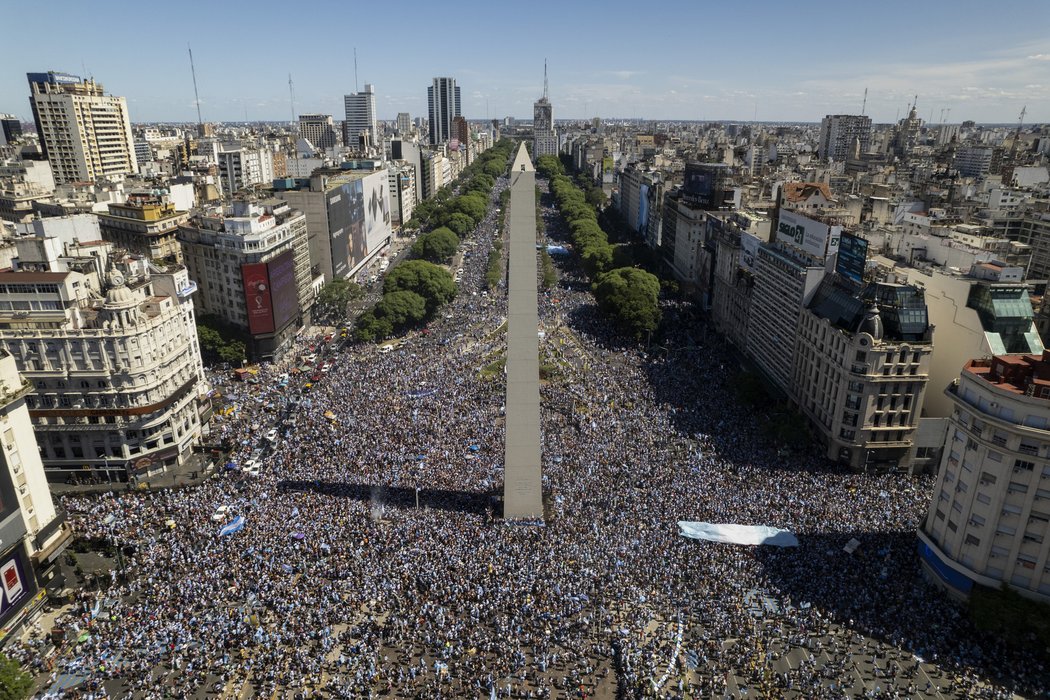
(872, 322)
(118, 295)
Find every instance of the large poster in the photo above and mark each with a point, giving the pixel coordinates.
(283, 290)
(377, 210)
(14, 587)
(257, 300)
(749, 251)
(853, 254)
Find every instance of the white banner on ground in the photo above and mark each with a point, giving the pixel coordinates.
(738, 534)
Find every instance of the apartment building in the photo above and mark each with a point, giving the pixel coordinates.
(251, 263)
(988, 523)
(85, 134)
(118, 384)
(862, 356)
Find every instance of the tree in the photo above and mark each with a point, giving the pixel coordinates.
(370, 327)
(15, 683)
(233, 352)
(334, 297)
(402, 308)
(460, 223)
(426, 279)
(437, 246)
(473, 205)
(630, 296)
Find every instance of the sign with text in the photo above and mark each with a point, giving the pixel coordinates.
(853, 256)
(811, 237)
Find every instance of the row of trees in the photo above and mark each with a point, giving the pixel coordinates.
(630, 296)
(414, 290)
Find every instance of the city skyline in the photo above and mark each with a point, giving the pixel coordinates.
(683, 63)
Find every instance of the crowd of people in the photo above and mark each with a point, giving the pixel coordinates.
(373, 561)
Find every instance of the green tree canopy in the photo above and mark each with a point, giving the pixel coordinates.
(402, 308)
(430, 281)
(549, 166)
(437, 246)
(335, 295)
(473, 205)
(15, 683)
(460, 223)
(630, 296)
(370, 327)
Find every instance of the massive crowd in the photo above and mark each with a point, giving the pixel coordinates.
(339, 585)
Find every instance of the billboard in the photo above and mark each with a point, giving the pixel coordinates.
(339, 207)
(284, 293)
(749, 251)
(853, 256)
(807, 235)
(257, 300)
(377, 210)
(15, 588)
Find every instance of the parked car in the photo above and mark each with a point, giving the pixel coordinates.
(220, 514)
(271, 435)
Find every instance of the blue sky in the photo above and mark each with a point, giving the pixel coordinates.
(655, 60)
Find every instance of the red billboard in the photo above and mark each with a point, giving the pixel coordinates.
(257, 298)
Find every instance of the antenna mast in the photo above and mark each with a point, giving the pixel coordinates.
(196, 96)
(356, 89)
(295, 146)
(545, 97)
(864, 104)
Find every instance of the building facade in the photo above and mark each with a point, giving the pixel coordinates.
(989, 520)
(118, 384)
(85, 134)
(251, 264)
(145, 224)
(443, 105)
(862, 358)
(319, 130)
(404, 123)
(360, 118)
(241, 168)
(838, 134)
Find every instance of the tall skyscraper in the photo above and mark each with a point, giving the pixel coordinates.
(838, 133)
(318, 129)
(544, 140)
(443, 106)
(85, 133)
(404, 123)
(360, 116)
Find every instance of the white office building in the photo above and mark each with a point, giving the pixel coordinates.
(85, 134)
(360, 117)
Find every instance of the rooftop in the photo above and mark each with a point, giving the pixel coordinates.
(1025, 375)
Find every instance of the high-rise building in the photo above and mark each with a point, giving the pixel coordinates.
(318, 129)
(252, 265)
(838, 133)
(360, 117)
(10, 128)
(85, 133)
(443, 106)
(989, 520)
(544, 140)
(404, 123)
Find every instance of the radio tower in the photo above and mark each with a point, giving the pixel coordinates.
(196, 97)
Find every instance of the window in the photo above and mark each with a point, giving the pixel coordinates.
(1022, 465)
(987, 478)
(862, 356)
(972, 541)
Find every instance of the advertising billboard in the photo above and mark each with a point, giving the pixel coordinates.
(257, 301)
(811, 237)
(853, 256)
(15, 588)
(377, 211)
(339, 222)
(749, 251)
(283, 290)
